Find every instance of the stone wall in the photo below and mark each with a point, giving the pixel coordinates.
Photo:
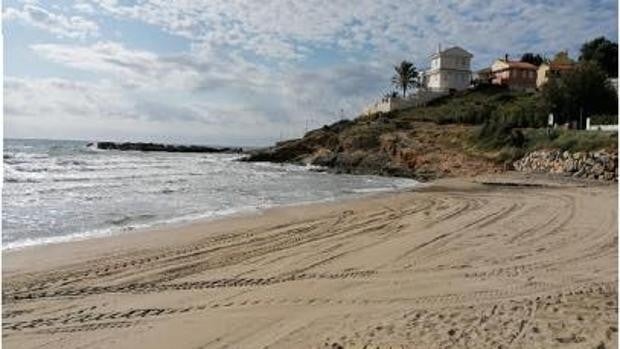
(602, 165)
(419, 98)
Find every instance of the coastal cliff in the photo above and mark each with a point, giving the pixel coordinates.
(466, 134)
(382, 146)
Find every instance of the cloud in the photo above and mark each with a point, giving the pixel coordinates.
(133, 67)
(75, 27)
(104, 110)
(254, 69)
(285, 29)
(147, 70)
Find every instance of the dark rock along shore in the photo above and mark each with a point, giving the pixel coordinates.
(172, 148)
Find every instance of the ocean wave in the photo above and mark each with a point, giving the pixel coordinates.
(13, 179)
(125, 220)
(13, 176)
(72, 162)
(125, 224)
(30, 242)
(75, 191)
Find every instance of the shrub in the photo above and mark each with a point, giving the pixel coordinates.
(579, 93)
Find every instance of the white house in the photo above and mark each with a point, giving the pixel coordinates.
(450, 70)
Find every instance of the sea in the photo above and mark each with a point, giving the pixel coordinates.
(55, 191)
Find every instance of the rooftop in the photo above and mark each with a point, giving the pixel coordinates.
(519, 64)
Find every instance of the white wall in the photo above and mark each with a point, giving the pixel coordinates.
(420, 98)
(449, 72)
(607, 128)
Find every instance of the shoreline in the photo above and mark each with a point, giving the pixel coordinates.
(168, 232)
(192, 219)
(446, 263)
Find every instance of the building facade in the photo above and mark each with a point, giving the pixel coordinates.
(548, 70)
(513, 74)
(450, 70)
(560, 65)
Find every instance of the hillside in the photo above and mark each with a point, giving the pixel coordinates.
(461, 135)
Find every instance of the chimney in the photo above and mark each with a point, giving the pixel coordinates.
(506, 57)
(439, 48)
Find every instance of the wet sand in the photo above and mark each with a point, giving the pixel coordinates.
(454, 265)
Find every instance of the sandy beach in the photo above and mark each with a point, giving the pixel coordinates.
(457, 264)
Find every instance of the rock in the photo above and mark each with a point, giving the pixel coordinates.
(596, 165)
(566, 155)
(570, 165)
(598, 169)
(128, 146)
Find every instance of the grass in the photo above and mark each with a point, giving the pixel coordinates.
(503, 149)
(508, 125)
(571, 140)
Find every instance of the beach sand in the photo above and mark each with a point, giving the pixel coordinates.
(454, 265)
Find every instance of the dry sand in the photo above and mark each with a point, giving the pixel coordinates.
(456, 265)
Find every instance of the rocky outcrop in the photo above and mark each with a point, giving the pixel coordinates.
(163, 147)
(382, 146)
(601, 165)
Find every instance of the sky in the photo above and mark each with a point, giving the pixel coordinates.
(231, 72)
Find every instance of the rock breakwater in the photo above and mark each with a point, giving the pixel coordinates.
(602, 164)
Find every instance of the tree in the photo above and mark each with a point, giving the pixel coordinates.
(406, 76)
(603, 52)
(534, 59)
(562, 58)
(582, 92)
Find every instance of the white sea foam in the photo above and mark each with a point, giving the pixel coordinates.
(57, 191)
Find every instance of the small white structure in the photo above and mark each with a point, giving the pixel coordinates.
(450, 70)
(614, 83)
(606, 128)
(417, 99)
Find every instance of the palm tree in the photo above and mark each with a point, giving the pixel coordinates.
(406, 76)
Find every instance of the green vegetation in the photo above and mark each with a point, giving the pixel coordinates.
(366, 135)
(602, 52)
(509, 123)
(405, 77)
(484, 104)
(534, 59)
(582, 92)
(512, 144)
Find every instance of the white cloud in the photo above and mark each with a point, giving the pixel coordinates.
(84, 7)
(136, 68)
(105, 110)
(201, 70)
(75, 27)
(255, 68)
(280, 28)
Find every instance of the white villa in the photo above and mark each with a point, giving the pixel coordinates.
(450, 70)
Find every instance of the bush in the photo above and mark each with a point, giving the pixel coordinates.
(579, 93)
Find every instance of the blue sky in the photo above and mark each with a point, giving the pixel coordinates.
(247, 72)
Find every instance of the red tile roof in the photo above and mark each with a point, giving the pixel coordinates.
(520, 65)
(561, 66)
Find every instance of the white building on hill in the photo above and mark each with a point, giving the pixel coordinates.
(450, 70)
